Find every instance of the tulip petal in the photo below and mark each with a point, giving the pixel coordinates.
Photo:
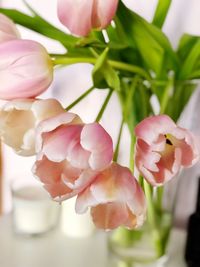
(51, 175)
(115, 199)
(26, 70)
(106, 11)
(162, 148)
(150, 128)
(8, 30)
(49, 125)
(95, 139)
(76, 15)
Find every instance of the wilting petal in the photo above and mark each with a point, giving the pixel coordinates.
(81, 16)
(26, 70)
(115, 199)
(8, 30)
(162, 148)
(19, 119)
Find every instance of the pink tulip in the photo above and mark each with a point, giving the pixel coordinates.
(19, 119)
(162, 148)
(84, 146)
(26, 69)
(80, 17)
(115, 198)
(61, 179)
(8, 30)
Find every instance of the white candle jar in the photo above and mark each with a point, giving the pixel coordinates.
(34, 212)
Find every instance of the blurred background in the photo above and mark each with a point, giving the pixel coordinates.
(70, 82)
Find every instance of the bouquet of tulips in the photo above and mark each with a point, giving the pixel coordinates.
(133, 59)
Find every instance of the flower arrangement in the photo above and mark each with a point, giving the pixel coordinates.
(133, 59)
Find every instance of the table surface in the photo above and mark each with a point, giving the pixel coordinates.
(55, 249)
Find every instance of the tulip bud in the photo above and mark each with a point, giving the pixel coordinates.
(8, 30)
(80, 17)
(26, 70)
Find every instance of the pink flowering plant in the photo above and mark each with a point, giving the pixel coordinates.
(131, 58)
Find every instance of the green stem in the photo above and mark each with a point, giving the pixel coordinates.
(131, 159)
(159, 199)
(161, 12)
(166, 95)
(80, 98)
(118, 142)
(100, 114)
(115, 64)
(152, 218)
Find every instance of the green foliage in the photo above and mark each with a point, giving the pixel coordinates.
(153, 46)
(161, 12)
(104, 76)
(38, 24)
(189, 53)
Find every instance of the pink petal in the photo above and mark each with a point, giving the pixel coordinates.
(51, 174)
(110, 215)
(49, 125)
(26, 69)
(113, 195)
(150, 128)
(77, 156)
(48, 172)
(76, 15)
(105, 12)
(8, 30)
(95, 139)
(84, 179)
(188, 144)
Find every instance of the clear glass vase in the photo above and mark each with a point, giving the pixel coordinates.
(147, 246)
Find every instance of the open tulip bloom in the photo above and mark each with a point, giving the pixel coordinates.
(132, 59)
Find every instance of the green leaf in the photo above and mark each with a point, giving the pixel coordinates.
(179, 99)
(189, 52)
(153, 45)
(135, 101)
(161, 12)
(38, 24)
(104, 75)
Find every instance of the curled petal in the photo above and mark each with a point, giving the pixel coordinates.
(162, 148)
(96, 140)
(61, 179)
(19, 119)
(115, 199)
(45, 128)
(150, 128)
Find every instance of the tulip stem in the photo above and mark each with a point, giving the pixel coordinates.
(100, 114)
(132, 147)
(80, 98)
(115, 64)
(118, 142)
(152, 218)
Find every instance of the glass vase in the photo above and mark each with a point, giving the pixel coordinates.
(146, 246)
